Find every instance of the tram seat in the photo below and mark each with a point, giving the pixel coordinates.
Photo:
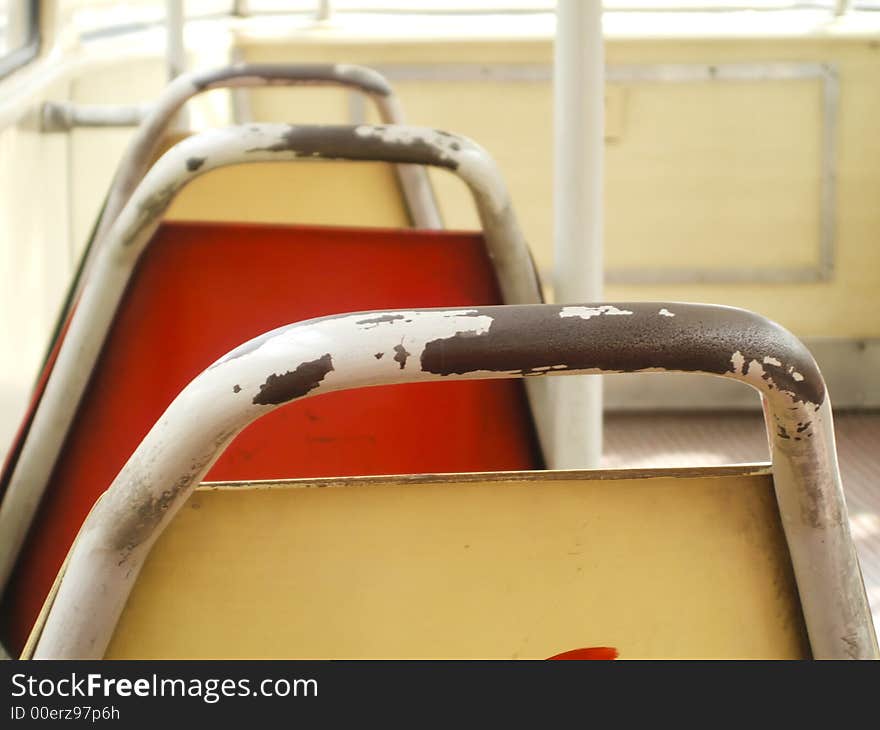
(752, 561)
(201, 287)
(657, 564)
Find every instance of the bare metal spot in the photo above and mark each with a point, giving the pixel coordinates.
(194, 163)
(699, 338)
(236, 389)
(401, 355)
(294, 383)
(379, 355)
(348, 142)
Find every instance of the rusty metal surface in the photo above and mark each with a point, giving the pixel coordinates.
(339, 352)
(645, 441)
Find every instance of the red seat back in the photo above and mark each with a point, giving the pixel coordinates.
(202, 289)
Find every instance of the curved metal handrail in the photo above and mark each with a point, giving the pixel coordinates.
(157, 119)
(335, 353)
(143, 147)
(135, 225)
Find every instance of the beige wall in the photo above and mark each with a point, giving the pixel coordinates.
(52, 186)
(702, 175)
(35, 257)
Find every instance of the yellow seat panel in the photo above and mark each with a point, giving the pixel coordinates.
(303, 191)
(658, 564)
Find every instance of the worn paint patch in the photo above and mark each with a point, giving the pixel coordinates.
(348, 142)
(589, 312)
(149, 209)
(194, 163)
(700, 338)
(401, 355)
(132, 526)
(294, 383)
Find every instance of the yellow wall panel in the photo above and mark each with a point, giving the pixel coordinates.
(704, 175)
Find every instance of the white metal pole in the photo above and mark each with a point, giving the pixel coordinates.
(579, 92)
(176, 52)
(324, 11)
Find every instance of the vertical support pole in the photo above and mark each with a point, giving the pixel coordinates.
(175, 50)
(323, 12)
(842, 7)
(239, 98)
(176, 53)
(579, 110)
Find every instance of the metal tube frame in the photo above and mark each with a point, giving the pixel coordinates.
(156, 121)
(135, 225)
(142, 148)
(338, 352)
(62, 116)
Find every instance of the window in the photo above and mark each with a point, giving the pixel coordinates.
(95, 18)
(537, 6)
(19, 35)
(508, 6)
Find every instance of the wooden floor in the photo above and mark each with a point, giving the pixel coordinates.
(667, 440)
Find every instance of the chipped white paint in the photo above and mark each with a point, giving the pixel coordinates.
(117, 257)
(588, 312)
(754, 369)
(545, 368)
(665, 313)
(772, 361)
(737, 361)
(195, 429)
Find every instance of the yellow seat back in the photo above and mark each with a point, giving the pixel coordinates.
(306, 192)
(657, 564)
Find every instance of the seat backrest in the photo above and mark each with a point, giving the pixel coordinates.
(331, 354)
(656, 564)
(308, 194)
(202, 288)
(198, 289)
